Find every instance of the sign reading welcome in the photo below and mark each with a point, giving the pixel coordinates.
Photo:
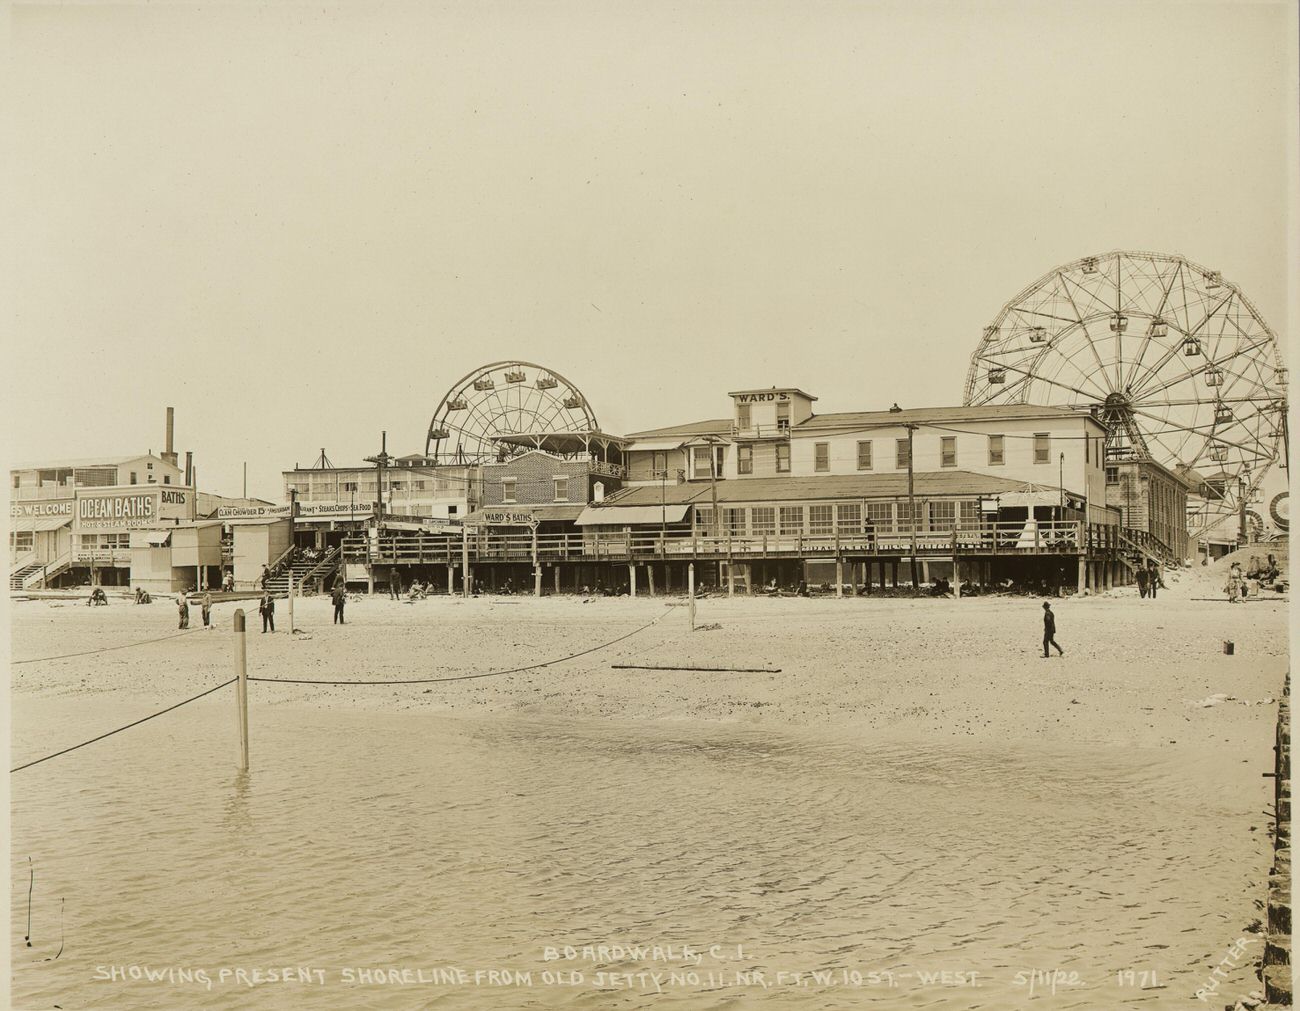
(32, 510)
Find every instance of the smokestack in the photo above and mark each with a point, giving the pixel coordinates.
(169, 453)
(189, 468)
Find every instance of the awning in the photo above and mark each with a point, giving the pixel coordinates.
(20, 524)
(1015, 499)
(641, 445)
(631, 516)
(158, 538)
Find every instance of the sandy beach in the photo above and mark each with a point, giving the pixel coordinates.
(916, 790)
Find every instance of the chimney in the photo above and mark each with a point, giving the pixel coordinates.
(169, 454)
(189, 468)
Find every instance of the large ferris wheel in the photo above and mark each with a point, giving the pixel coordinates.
(1170, 356)
(504, 399)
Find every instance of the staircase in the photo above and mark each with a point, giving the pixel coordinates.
(304, 572)
(18, 578)
(1147, 545)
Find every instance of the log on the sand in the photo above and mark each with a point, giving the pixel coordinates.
(726, 670)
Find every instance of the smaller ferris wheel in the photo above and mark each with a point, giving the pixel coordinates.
(512, 398)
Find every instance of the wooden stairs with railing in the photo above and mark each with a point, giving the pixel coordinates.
(18, 577)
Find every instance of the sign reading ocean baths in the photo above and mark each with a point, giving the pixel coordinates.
(131, 510)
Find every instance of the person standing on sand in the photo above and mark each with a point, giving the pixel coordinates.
(267, 610)
(1049, 631)
(183, 605)
(1142, 580)
(206, 603)
(340, 597)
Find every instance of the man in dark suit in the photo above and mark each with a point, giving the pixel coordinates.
(1049, 631)
(267, 610)
(340, 597)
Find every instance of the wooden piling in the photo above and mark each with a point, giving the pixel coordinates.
(241, 687)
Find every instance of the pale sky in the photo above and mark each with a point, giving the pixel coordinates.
(299, 224)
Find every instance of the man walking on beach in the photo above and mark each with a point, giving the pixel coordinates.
(1049, 631)
(267, 610)
(340, 597)
(207, 609)
(183, 605)
(1142, 582)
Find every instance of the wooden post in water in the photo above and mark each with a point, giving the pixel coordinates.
(690, 593)
(241, 688)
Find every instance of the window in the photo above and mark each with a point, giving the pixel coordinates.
(349, 486)
(942, 515)
(659, 465)
(783, 458)
(901, 454)
(821, 519)
(742, 416)
(848, 518)
(418, 485)
(1112, 475)
(396, 485)
(744, 459)
(905, 516)
(700, 459)
(704, 520)
(508, 489)
(15, 480)
(167, 479)
(735, 521)
(948, 451)
(1042, 447)
(792, 519)
(21, 540)
(970, 514)
(864, 455)
(451, 510)
(822, 456)
(133, 478)
(997, 455)
(881, 516)
(783, 417)
(148, 466)
(763, 520)
(561, 489)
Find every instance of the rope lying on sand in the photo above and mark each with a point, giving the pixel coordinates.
(467, 677)
(145, 719)
(105, 649)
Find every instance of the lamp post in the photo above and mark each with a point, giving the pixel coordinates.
(1061, 508)
(911, 506)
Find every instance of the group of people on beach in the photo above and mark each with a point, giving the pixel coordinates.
(1149, 579)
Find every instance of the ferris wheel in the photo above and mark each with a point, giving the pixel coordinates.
(504, 398)
(1172, 358)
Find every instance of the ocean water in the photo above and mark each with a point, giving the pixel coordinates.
(459, 862)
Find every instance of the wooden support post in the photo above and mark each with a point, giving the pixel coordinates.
(839, 576)
(1083, 574)
(241, 688)
(631, 575)
(370, 578)
(650, 576)
(690, 593)
(537, 568)
(731, 580)
(853, 578)
(465, 577)
(956, 577)
(451, 579)
(291, 602)
(869, 565)
(557, 579)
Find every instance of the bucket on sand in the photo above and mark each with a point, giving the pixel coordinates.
(1229, 647)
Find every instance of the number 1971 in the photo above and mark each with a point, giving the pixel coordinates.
(1142, 980)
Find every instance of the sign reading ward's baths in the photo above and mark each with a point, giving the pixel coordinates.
(133, 510)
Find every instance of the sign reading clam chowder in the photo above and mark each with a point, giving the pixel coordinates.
(252, 512)
(38, 510)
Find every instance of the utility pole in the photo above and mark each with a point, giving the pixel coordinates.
(380, 461)
(713, 481)
(911, 505)
(1243, 532)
